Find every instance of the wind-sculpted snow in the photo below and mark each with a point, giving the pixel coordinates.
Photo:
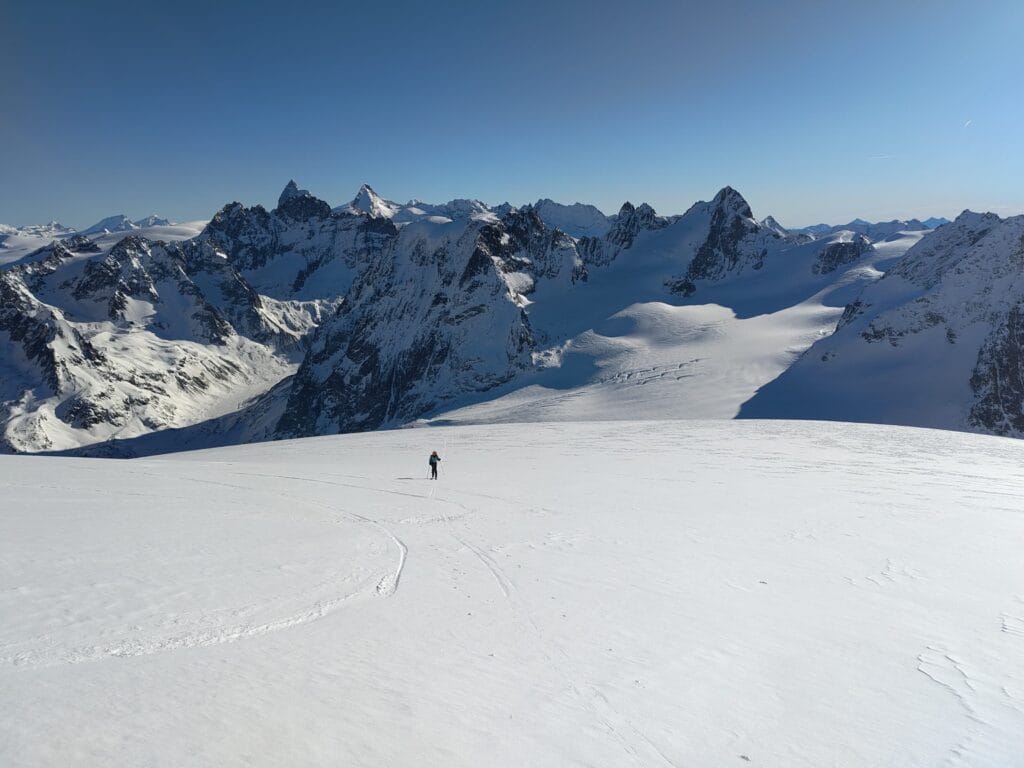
(615, 594)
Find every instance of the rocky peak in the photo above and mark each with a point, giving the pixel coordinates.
(300, 205)
(734, 241)
(841, 252)
(291, 190)
(731, 201)
(427, 320)
(368, 202)
(631, 221)
(772, 225)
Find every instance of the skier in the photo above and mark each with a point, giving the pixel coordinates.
(434, 461)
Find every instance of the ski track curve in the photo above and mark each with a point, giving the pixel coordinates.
(388, 585)
(385, 587)
(129, 648)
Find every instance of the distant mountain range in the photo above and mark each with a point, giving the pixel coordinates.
(135, 337)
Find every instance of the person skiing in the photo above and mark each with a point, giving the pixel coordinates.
(434, 461)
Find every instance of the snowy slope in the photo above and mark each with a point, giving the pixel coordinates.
(451, 313)
(103, 345)
(623, 346)
(936, 342)
(578, 219)
(16, 243)
(648, 594)
(117, 223)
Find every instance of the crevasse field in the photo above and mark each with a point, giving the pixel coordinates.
(591, 594)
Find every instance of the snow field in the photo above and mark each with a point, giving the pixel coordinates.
(614, 594)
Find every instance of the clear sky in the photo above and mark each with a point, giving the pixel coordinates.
(814, 110)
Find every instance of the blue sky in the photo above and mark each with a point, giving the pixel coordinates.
(815, 111)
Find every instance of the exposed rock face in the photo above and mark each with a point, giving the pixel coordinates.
(628, 224)
(840, 253)
(734, 242)
(525, 244)
(146, 336)
(299, 205)
(397, 311)
(280, 251)
(426, 321)
(731, 223)
(998, 378)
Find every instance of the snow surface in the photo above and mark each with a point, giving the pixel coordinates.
(117, 223)
(24, 241)
(613, 594)
(578, 219)
(654, 360)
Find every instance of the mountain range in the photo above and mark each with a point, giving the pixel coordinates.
(135, 337)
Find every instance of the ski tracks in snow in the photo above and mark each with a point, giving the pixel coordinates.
(589, 696)
(385, 587)
(388, 584)
(37, 659)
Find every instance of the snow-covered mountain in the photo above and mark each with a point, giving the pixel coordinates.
(578, 219)
(118, 223)
(139, 338)
(936, 342)
(151, 221)
(769, 223)
(368, 202)
(879, 230)
(51, 230)
(17, 243)
(310, 320)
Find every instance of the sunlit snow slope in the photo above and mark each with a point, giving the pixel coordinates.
(616, 594)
